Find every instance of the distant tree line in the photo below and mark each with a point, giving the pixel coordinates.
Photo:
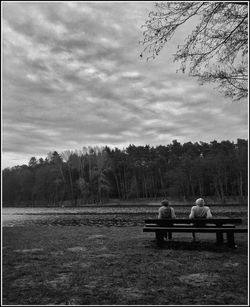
(97, 174)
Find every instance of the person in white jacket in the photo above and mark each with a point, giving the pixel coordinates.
(200, 211)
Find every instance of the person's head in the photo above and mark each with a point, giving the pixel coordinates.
(165, 202)
(200, 202)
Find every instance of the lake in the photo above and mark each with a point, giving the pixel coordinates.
(16, 216)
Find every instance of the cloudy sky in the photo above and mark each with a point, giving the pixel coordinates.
(72, 77)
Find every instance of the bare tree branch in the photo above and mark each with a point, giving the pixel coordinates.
(215, 51)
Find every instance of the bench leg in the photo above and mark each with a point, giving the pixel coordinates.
(219, 238)
(159, 238)
(230, 239)
(193, 236)
(168, 235)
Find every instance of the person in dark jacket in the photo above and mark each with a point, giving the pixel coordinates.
(166, 212)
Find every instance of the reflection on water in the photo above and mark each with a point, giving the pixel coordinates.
(23, 216)
(10, 220)
(71, 216)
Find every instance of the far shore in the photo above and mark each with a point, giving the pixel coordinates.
(122, 204)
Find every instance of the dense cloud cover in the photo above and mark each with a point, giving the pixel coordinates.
(72, 77)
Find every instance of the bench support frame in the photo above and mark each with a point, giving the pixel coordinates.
(160, 234)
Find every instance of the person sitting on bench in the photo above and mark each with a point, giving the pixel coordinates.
(199, 211)
(166, 212)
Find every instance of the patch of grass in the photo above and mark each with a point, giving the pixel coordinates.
(98, 265)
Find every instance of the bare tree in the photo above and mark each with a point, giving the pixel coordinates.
(66, 156)
(216, 50)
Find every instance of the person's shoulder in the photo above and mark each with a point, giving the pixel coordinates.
(206, 207)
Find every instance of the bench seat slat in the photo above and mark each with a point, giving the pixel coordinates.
(217, 221)
(186, 225)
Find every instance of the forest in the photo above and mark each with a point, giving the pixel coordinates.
(99, 174)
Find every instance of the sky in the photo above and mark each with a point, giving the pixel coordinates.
(72, 77)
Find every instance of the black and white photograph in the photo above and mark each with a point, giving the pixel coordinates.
(124, 153)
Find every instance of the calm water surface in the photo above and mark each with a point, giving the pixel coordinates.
(26, 215)
(23, 216)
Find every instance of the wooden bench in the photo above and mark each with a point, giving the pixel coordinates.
(213, 225)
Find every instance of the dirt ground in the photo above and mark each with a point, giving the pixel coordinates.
(101, 264)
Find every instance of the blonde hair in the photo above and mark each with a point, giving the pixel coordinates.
(200, 202)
